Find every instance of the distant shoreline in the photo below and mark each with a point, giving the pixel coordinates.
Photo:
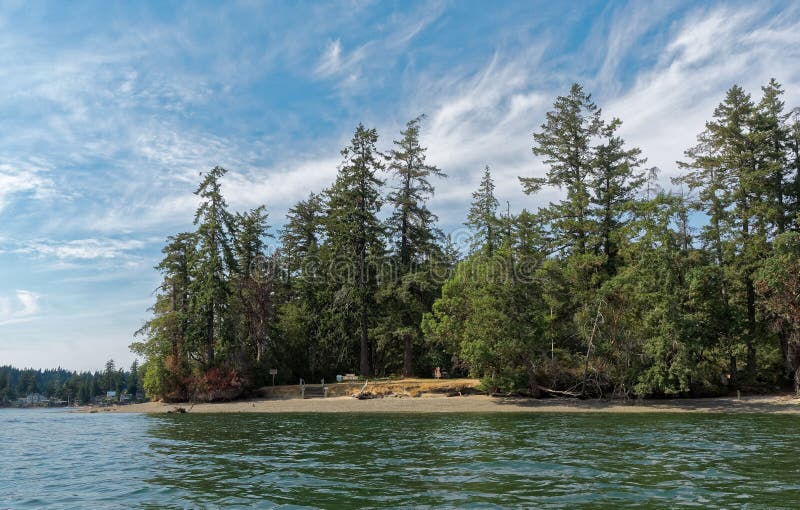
(433, 404)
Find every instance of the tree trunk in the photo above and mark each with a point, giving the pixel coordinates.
(404, 255)
(364, 347)
(174, 335)
(210, 339)
(797, 381)
(408, 356)
(795, 358)
(751, 327)
(532, 384)
(787, 361)
(364, 343)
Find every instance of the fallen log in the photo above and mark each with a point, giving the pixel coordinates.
(361, 395)
(560, 393)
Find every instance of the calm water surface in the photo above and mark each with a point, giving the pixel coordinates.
(53, 459)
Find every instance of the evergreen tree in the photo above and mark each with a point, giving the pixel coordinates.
(354, 230)
(133, 379)
(565, 144)
(482, 216)
(793, 156)
(210, 283)
(769, 136)
(411, 225)
(300, 238)
(615, 183)
(169, 342)
(724, 168)
(299, 318)
(490, 321)
(254, 283)
(410, 292)
(778, 282)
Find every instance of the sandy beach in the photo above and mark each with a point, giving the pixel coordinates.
(784, 404)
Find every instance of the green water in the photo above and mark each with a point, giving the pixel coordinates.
(51, 459)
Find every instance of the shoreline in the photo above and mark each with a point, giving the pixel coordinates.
(433, 404)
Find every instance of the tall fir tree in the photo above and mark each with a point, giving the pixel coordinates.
(211, 280)
(616, 183)
(411, 225)
(564, 142)
(354, 230)
(412, 229)
(253, 284)
(482, 217)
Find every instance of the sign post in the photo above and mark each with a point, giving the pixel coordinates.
(273, 372)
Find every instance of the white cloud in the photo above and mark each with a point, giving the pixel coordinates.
(281, 186)
(410, 26)
(23, 306)
(667, 105)
(82, 249)
(488, 117)
(484, 119)
(334, 63)
(27, 179)
(331, 60)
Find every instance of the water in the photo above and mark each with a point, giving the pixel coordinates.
(53, 459)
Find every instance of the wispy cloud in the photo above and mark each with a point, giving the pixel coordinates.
(412, 24)
(367, 62)
(81, 249)
(484, 118)
(107, 124)
(709, 51)
(27, 179)
(23, 306)
(346, 68)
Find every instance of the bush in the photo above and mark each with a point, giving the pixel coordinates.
(156, 379)
(507, 380)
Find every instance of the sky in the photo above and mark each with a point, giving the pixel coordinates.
(110, 110)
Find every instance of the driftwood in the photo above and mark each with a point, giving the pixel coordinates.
(362, 395)
(597, 319)
(560, 393)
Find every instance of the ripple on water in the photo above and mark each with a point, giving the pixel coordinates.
(52, 459)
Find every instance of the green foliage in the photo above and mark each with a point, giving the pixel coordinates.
(609, 291)
(64, 385)
(487, 318)
(410, 289)
(482, 217)
(157, 379)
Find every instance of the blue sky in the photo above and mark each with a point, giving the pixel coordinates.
(110, 111)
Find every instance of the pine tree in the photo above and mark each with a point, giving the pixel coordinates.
(133, 379)
(482, 216)
(565, 144)
(353, 227)
(615, 183)
(769, 134)
(254, 280)
(210, 282)
(300, 318)
(411, 226)
(177, 267)
(300, 238)
(778, 282)
(793, 156)
(725, 168)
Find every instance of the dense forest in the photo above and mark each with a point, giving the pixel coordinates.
(74, 387)
(620, 288)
